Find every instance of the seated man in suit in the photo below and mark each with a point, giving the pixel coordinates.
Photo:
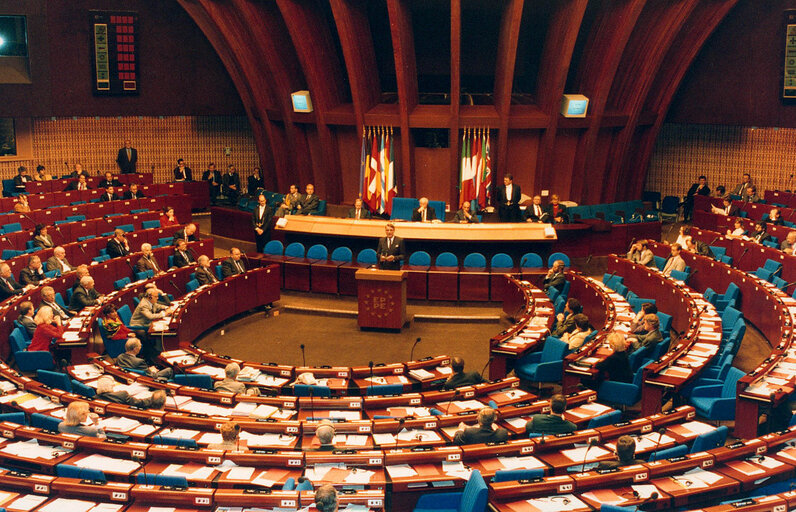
(326, 498)
(188, 233)
(41, 238)
(25, 318)
(760, 234)
(105, 385)
(625, 454)
(80, 272)
(775, 217)
(787, 245)
(80, 184)
(147, 260)
(553, 423)
(21, 179)
(118, 246)
(536, 212)
(182, 256)
(728, 209)
(8, 285)
(652, 336)
(289, 203)
(182, 172)
(230, 383)
(485, 432)
(698, 247)
(325, 437)
(556, 212)
(84, 295)
(109, 195)
(147, 311)
(33, 274)
(565, 322)
(390, 251)
(233, 266)
(109, 181)
(359, 211)
(675, 261)
(309, 203)
(133, 193)
(465, 216)
(205, 274)
(555, 277)
(129, 360)
(424, 212)
(48, 299)
(459, 377)
(751, 195)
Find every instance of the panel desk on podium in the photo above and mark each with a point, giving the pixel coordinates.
(382, 298)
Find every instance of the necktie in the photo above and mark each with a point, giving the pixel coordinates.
(154, 264)
(357, 217)
(389, 243)
(184, 256)
(129, 154)
(424, 215)
(240, 269)
(57, 309)
(537, 210)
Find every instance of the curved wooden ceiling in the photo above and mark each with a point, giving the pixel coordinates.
(627, 56)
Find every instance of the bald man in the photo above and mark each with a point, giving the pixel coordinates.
(424, 212)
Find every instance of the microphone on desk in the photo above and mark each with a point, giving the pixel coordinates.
(588, 260)
(303, 359)
(246, 257)
(632, 241)
(714, 240)
(132, 269)
(171, 282)
(741, 257)
(455, 394)
(592, 442)
(412, 352)
(486, 366)
(67, 165)
(370, 364)
(312, 402)
(140, 462)
(661, 433)
(652, 497)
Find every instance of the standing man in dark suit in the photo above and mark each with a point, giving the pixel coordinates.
(182, 172)
(133, 193)
(358, 211)
(232, 266)
(118, 246)
(213, 175)
(231, 182)
(182, 256)
(8, 285)
(127, 158)
(309, 203)
(109, 195)
(424, 212)
(508, 199)
(204, 274)
(261, 221)
(391, 250)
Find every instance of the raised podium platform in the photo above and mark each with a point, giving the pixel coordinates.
(382, 298)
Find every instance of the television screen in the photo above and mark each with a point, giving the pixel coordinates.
(301, 101)
(577, 107)
(574, 105)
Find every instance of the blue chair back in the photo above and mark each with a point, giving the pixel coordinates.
(679, 275)
(125, 314)
(367, 257)
(342, 254)
(195, 380)
(531, 260)
(718, 252)
(56, 380)
(669, 453)
(84, 390)
(420, 259)
(385, 389)
(665, 321)
(18, 340)
(501, 260)
(127, 228)
(304, 390)
(295, 250)
(558, 256)
(13, 227)
(402, 207)
(157, 479)
(191, 285)
(44, 422)
(14, 417)
(318, 252)
(76, 218)
(475, 261)
(121, 283)
(174, 441)
(608, 418)
(611, 280)
(554, 349)
(475, 494)
(68, 471)
(510, 475)
(710, 440)
(150, 224)
(274, 248)
(446, 259)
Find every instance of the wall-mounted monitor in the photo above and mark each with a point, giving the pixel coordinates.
(301, 101)
(574, 105)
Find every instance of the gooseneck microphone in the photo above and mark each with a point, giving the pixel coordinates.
(486, 366)
(455, 394)
(412, 353)
(303, 359)
(592, 442)
(661, 433)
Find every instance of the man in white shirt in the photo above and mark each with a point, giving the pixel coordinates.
(58, 261)
(675, 261)
(535, 212)
(424, 213)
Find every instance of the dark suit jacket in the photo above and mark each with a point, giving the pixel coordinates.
(183, 261)
(459, 217)
(760, 236)
(129, 195)
(28, 276)
(82, 298)
(557, 281)
(123, 397)
(617, 367)
(13, 288)
(43, 242)
(55, 307)
(228, 267)
(530, 213)
(478, 435)
(28, 323)
(205, 276)
(127, 166)
(116, 249)
(566, 325)
(502, 200)
(364, 213)
(180, 235)
(397, 249)
(179, 177)
(106, 197)
(308, 204)
(144, 264)
(562, 212)
(264, 221)
(549, 424)
(73, 186)
(430, 214)
(19, 183)
(611, 464)
(462, 379)
(113, 183)
(231, 179)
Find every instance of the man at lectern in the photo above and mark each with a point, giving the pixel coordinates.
(391, 250)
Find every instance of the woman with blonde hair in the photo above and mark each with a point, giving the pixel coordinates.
(77, 413)
(616, 366)
(48, 328)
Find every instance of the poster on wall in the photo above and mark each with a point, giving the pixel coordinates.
(114, 44)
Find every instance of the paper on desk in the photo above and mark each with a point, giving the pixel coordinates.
(359, 476)
(517, 422)
(270, 380)
(421, 374)
(118, 424)
(319, 471)
(579, 454)
(526, 462)
(71, 336)
(180, 433)
(25, 503)
(143, 430)
(161, 509)
(705, 476)
(445, 370)
(417, 435)
(385, 438)
(32, 450)
(747, 468)
(67, 505)
(356, 440)
(241, 473)
(697, 427)
(213, 371)
(86, 371)
(401, 471)
(345, 415)
(210, 438)
(559, 503)
(109, 464)
(107, 507)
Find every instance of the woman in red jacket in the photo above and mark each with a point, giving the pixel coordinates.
(48, 329)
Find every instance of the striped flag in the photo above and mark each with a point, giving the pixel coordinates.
(377, 169)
